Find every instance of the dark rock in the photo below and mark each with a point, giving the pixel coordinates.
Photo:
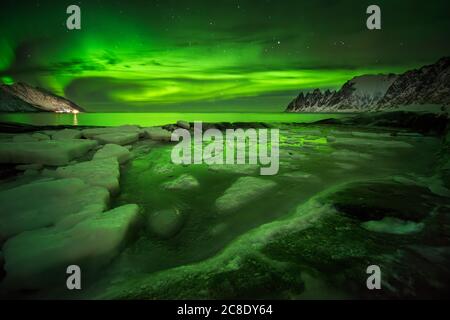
(425, 123)
(376, 200)
(428, 85)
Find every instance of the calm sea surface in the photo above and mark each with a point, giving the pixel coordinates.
(156, 119)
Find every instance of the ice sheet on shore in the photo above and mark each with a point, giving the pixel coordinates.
(66, 134)
(34, 257)
(91, 133)
(120, 138)
(243, 191)
(121, 135)
(49, 152)
(157, 134)
(110, 150)
(100, 172)
(41, 204)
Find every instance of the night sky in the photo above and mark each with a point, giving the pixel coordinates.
(214, 55)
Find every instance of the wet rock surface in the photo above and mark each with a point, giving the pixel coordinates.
(377, 200)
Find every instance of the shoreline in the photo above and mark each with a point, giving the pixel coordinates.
(122, 176)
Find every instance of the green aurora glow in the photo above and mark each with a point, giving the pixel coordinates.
(233, 55)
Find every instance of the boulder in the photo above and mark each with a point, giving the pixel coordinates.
(122, 154)
(41, 204)
(99, 172)
(66, 134)
(165, 223)
(52, 153)
(120, 138)
(183, 124)
(242, 192)
(91, 133)
(34, 257)
(375, 200)
(183, 182)
(158, 134)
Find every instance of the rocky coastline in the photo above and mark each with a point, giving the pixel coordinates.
(60, 185)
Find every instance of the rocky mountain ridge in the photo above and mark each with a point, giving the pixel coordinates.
(21, 97)
(427, 85)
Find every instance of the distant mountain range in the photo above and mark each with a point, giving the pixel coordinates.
(20, 97)
(427, 85)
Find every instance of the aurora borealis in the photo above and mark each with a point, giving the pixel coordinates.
(235, 55)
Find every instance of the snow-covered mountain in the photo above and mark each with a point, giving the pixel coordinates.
(21, 97)
(427, 85)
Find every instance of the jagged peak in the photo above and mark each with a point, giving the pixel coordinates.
(375, 91)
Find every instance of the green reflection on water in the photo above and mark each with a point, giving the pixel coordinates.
(158, 119)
